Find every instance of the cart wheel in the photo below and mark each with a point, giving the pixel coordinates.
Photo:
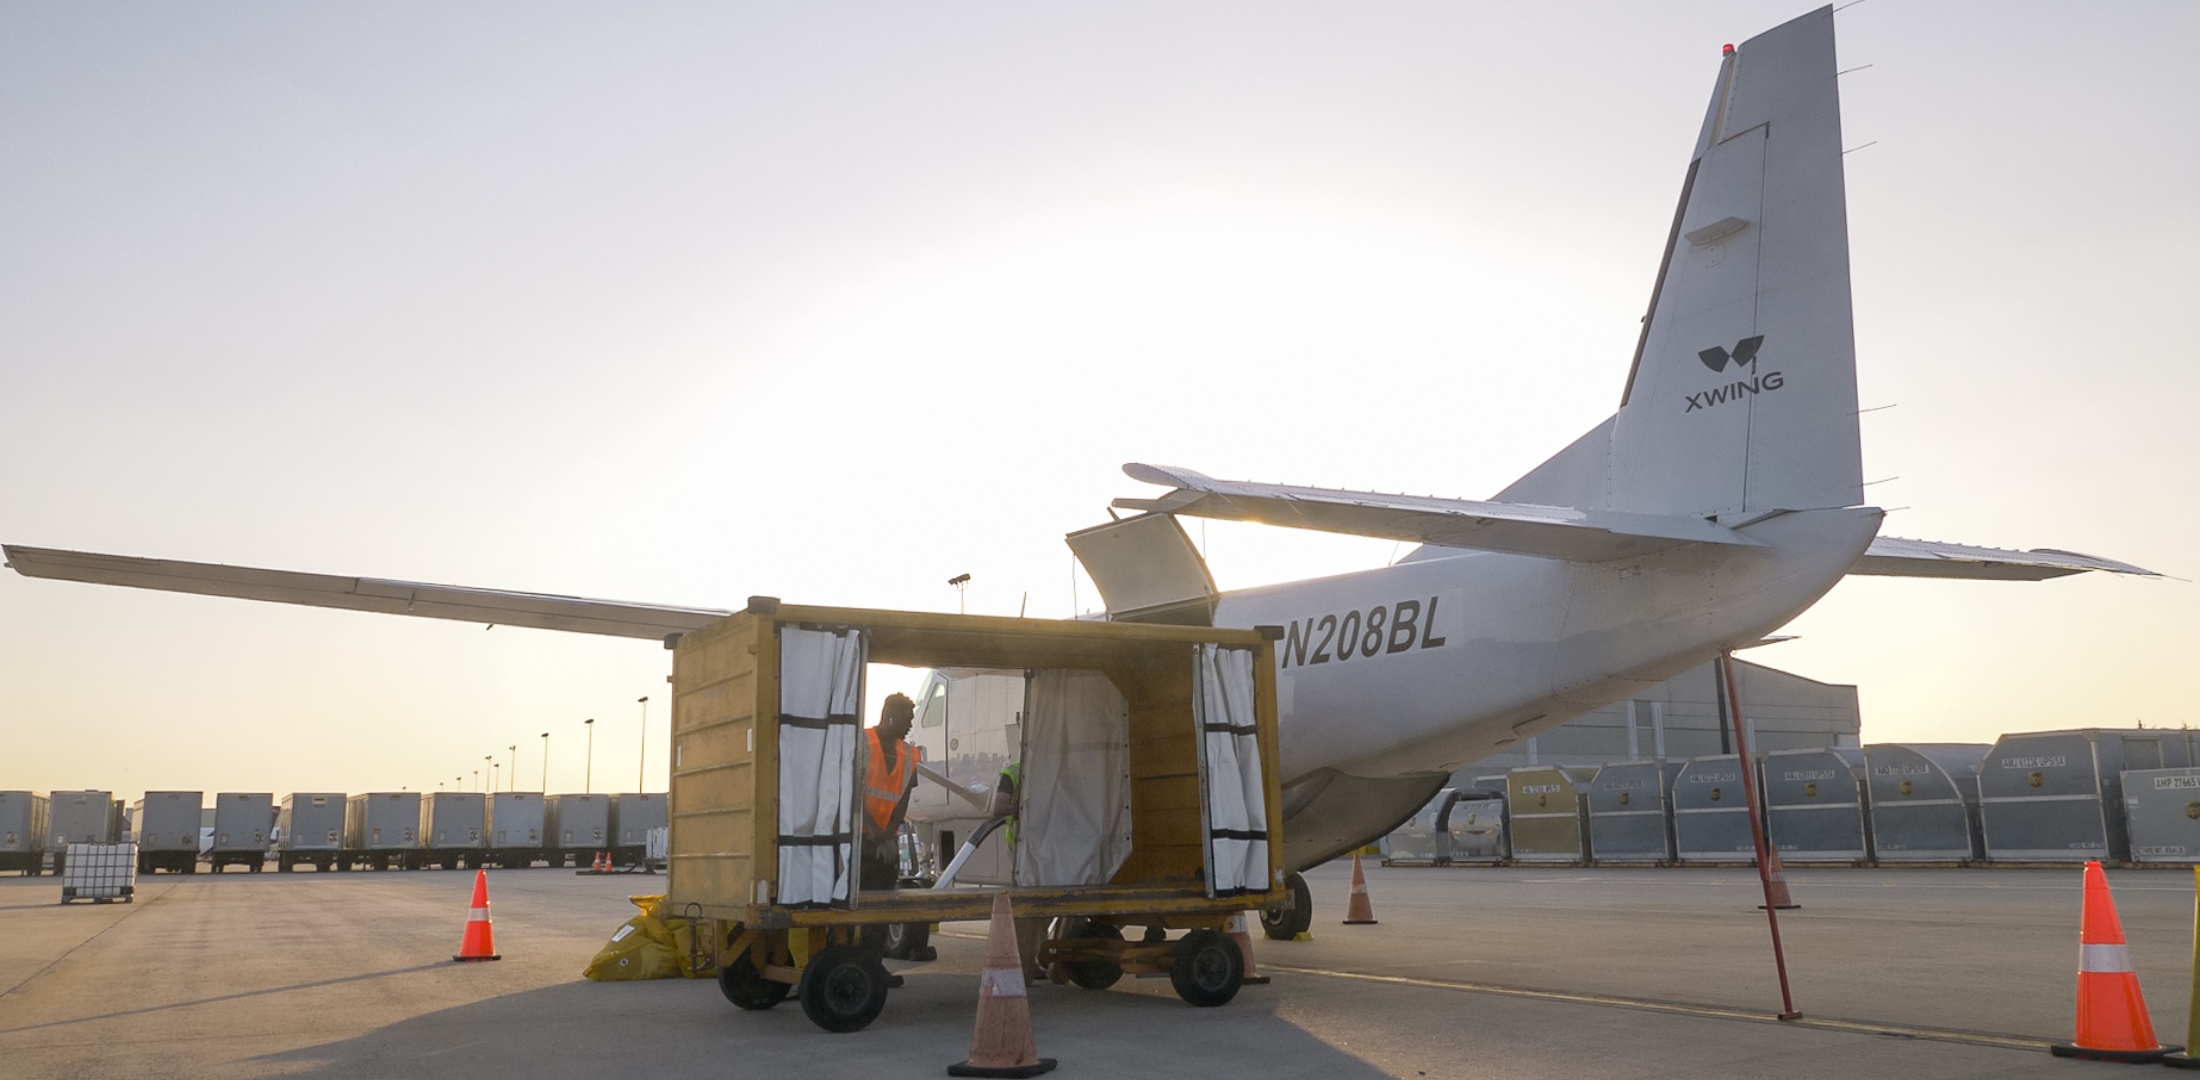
(747, 988)
(843, 988)
(1092, 974)
(1208, 969)
(905, 941)
(1283, 924)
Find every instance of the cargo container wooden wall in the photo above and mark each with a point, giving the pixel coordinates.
(714, 843)
(1166, 824)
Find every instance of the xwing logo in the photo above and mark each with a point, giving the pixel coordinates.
(1743, 355)
(1745, 352)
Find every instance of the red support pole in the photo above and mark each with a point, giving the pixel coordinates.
(1756, 829)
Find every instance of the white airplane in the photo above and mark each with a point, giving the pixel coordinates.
(1720, 501)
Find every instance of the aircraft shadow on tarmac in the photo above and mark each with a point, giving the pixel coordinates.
(584, 1029)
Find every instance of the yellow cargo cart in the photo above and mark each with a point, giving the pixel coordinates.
(1149, 798)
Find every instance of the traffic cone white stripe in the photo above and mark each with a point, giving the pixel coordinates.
(999, 983)
(2104, 959)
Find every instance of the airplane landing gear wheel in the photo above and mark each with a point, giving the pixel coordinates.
(910, 941)
(1092, 974)
(843, 988)
(1283, 924)
(747, 988)
(1208, 969)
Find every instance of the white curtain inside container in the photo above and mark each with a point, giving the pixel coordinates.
(1073, 817)
(820, 695)
(1231, 789)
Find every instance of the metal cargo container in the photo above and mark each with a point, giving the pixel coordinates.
(1711, 813)
(1924, 801)
(515, 828)
(454, 828)
(309, 829)
(23, 832)
(243, 822)
(381, 829)
(2162, 809)
(632, 816)
(166, 826)
(1629, 813)
(2056, 796)
(1550, 818)
(579, 826)
(1419, 842)
(1477, 828)
(1814, 805)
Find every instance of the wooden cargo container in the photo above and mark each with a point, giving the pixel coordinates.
(1188, 766)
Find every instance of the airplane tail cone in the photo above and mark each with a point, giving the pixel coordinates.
(479, 942)
(1361, 911)
(1001, 1043)
(2112, 1023)
(1243, 935)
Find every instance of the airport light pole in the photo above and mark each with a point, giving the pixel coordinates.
(496, 769)
(588, 768)
(961, 582)
(546, 763)
(490, 760)
(514, 781)
(641, 766)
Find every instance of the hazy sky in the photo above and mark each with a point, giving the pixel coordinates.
(832, 302)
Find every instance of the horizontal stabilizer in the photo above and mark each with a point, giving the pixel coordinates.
(1892, 556)
(1553, 532)
(538, 610)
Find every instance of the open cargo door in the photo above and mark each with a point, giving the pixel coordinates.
(1231, 787)
(1147, 571)
(820, 695)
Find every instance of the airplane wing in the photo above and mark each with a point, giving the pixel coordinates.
(540, 610)
(1892, 556)
(1554, 532)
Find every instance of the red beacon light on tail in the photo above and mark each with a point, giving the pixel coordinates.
(1726, 50)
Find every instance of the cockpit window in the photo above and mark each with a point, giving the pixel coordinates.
(935, 707)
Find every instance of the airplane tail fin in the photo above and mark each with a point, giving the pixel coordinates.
(1742, 398)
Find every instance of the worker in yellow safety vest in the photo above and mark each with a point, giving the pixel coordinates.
(1029, 932)
(887, 781)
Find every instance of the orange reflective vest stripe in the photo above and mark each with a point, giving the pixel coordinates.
(882, 787)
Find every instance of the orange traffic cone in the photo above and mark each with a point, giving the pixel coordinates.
(1243, 935)
(2113, 1024)
(479, 943)
(1360, 912)
(1001, 1043)
(1777, 880)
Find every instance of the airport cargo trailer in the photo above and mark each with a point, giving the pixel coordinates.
(1550, 815)
(578, 827)
(381, 830)
(2162, 812)
(1814, 805)
(79, 817)
(309, 830)
(1711, 812)
(515, 829)
(243, 827)
(1476, 824)
(454, 828)
(1149, 804)
(1630, 819)
(1924, 802)
(166, 826)
(632, 816)
(2057, 796)
(23, 832)
(1421, 840)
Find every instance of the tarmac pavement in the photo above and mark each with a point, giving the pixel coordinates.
(1481, 972)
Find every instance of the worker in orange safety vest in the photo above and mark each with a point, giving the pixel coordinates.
(888, 777)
